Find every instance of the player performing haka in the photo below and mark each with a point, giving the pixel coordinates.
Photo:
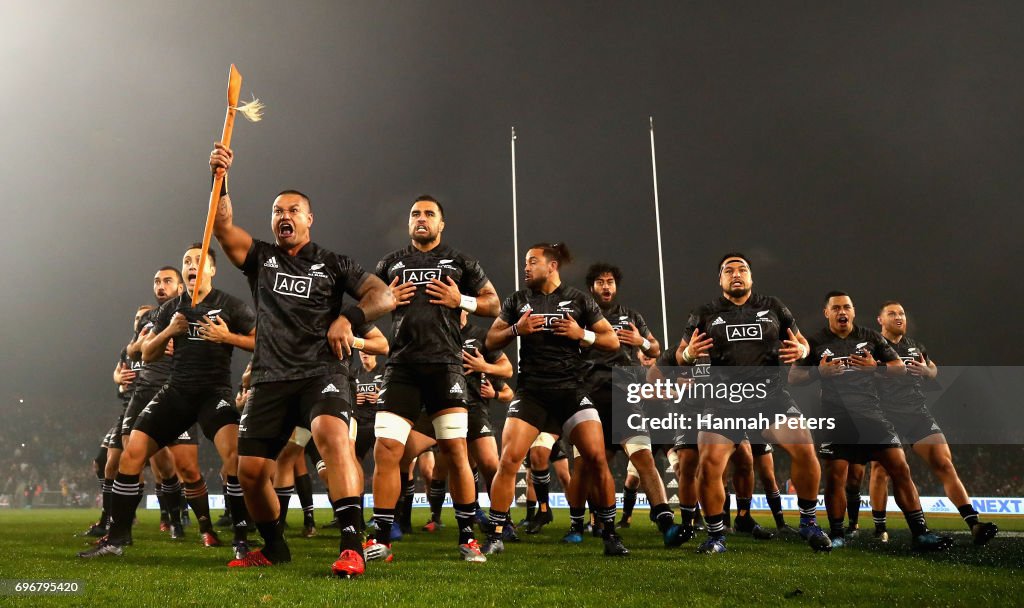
(197, 390)
(635, 337)
(556, 322)
(757, 332)
(431, 282)
(847, 359)
(905, 407)
(299, 376)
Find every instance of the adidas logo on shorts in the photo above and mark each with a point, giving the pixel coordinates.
(223, 404)
(485, 429)
(456, 389)
(271, 263)
(586, 401)
(330, 388)
(717, 321)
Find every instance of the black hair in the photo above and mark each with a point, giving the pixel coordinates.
(309, 205)
(176, 271)
(834, 294)
(430, 199)
(209, 252)
(555, 252)
(600, 268)
(734, 254)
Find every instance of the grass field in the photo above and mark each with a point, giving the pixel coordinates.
(159, 572)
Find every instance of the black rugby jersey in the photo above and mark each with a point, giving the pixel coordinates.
(155, 374)
(853, 390)
(367, 382)
(602, 361)
(747, 335)
(199, 363)
(136, 366)
(547, 360)
(903, 393)
(422, 332)
(297, 298)
(474, 340)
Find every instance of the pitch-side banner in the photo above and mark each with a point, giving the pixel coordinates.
(930, 504)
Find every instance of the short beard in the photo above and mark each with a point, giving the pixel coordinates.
(536, 283)
(738, 292)
(423, 239)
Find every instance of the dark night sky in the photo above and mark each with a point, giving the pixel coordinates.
(873, 148)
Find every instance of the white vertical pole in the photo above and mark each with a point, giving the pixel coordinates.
(657, 220)
(515, 215)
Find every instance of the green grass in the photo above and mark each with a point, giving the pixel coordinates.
(158, 572)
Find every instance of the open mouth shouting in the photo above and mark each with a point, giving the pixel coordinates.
(285, 229)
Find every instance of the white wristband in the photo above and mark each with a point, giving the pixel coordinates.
(358, 343)
(645, 345)
(468, 304)
(804, 351)
(687, 357)
(588, 337)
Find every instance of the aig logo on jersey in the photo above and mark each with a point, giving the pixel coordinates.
(291, 285)
(549, 318)
(743, 332)
(192, 333)
(420, 276)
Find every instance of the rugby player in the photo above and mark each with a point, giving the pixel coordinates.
(847, 358)
(299, 375)
(634, 336)
(757, 332)
(904, 404)
(431, 282)
(556, 323)
(198, 389)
